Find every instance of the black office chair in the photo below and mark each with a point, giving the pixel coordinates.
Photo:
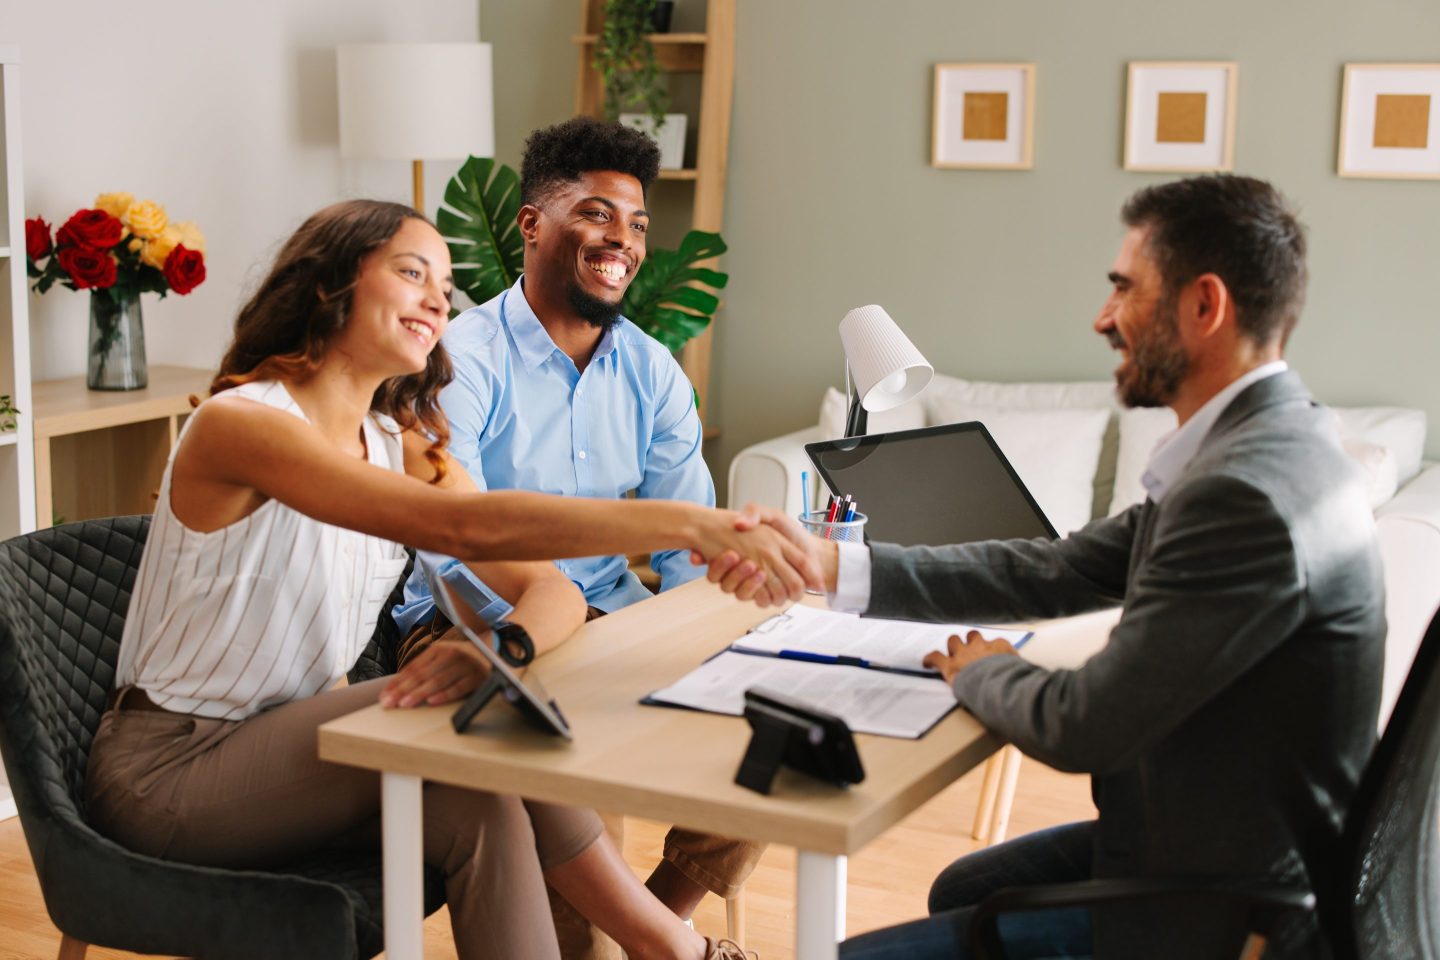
(1388, 905)
(64, 593)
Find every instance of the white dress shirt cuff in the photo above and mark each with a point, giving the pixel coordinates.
(852, 579)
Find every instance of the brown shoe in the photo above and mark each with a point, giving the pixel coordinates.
(725, 949)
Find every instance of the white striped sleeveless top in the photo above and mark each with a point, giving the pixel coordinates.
(269, 609)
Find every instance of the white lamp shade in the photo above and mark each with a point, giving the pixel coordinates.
(415, 101)
(886, 367)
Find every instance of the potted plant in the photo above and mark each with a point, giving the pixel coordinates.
(625, 59)
(117, 249)
(666, 298)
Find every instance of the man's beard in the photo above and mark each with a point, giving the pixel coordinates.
(593, 310)
(1158, 362)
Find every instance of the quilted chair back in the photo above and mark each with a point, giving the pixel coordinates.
(1394, 899)
(64, 593)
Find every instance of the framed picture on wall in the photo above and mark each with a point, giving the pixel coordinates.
(1390, 121)
(984, 116)
(1180, 116)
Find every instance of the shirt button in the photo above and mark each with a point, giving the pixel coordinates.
(582, 454)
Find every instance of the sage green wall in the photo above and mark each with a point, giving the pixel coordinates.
(832, 202)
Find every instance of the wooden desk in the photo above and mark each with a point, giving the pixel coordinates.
(100, 453)
(673, 766)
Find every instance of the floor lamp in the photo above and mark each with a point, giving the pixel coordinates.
(416, 102)
(882, 367)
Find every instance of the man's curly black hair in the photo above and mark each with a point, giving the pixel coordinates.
(562, 153)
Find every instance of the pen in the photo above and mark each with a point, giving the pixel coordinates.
(850, 511)
(805, 492)
(809, 657)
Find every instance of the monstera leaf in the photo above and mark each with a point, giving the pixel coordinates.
(663, 299)
(486, 248)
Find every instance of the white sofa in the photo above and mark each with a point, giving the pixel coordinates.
(1081, 454)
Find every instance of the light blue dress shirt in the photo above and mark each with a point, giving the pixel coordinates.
(522, 417)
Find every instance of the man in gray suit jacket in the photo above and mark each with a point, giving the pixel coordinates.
(1226, 722)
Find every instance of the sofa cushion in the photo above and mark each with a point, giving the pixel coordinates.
(1054, 451)
(1397, 428)
(1141, 430)
(1377, 463)
(1061, 395)
(833, 407)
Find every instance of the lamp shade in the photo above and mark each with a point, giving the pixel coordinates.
(886, 367)
(415, 101)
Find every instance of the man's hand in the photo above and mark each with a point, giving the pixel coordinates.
(965, 651)
(755, 561)
(738, 575)
(444, 671)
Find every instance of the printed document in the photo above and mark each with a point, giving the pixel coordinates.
(888, 644)
(869, 701)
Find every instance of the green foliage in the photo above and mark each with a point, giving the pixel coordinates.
(625, 59)
(486, 248)
(8, 413)
(663, 300)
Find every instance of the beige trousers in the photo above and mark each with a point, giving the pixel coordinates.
(253, 794)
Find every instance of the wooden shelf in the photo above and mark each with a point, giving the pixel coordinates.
(4, 252)
(9, 438)
(101, 453)
(658, 39)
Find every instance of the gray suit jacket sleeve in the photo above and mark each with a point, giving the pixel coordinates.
(1220, 586)
(1003, 580)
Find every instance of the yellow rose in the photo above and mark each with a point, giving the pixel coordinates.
(146, 219)
(114, 204)
(158, 248)
(190, 235)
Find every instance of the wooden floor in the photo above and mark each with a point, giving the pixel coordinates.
(888, 880)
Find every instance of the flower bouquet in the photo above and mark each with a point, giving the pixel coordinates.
(117, 250)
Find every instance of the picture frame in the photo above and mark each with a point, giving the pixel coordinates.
(1180, 116)
(983, 116)
(1390, 121)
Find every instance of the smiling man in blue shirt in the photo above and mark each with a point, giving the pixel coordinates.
(556, 392)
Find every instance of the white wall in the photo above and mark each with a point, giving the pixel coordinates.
(223, 112)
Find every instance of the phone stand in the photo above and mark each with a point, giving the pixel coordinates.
(788, 733)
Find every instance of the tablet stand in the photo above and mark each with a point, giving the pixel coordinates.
(476, 702)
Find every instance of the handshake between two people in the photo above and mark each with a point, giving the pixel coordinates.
(768, 558)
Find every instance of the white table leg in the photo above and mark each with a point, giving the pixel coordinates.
(400, 814)
(820, 906)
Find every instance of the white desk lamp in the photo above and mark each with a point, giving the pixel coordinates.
(882, 367)
(416, 101)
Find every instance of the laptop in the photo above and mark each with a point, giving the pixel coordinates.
(931, 486)
(525, 694)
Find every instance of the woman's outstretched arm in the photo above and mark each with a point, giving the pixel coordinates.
(239, 453)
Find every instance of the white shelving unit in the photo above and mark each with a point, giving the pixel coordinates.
(17, 448)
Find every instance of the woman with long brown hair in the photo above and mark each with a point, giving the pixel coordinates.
(275, 542)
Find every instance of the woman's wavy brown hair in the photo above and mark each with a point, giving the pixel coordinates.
(285, 330)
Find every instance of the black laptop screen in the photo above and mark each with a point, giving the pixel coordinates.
(936, 485)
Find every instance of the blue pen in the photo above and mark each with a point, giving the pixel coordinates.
(809, 657)
(850, 511)
(805, 492)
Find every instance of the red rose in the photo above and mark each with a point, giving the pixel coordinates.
(184, 269)
(94, 229)
(37, 239)
(87, 268)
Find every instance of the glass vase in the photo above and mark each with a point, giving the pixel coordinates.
(117, 342)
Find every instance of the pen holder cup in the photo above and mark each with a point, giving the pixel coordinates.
(848, 531)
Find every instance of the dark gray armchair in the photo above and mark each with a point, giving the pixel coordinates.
(64, 593)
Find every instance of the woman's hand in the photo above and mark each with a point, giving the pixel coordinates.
(763, 564)
(446, 670)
